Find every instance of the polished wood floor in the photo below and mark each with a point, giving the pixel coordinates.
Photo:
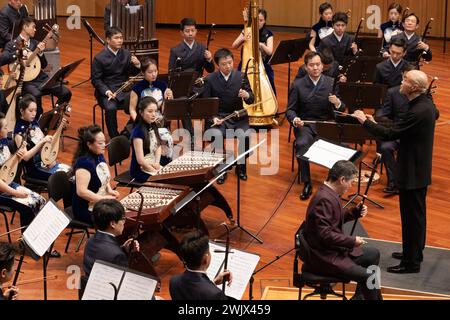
(270, 206)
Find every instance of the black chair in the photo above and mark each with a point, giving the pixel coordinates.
(59, 187)
(125, 107)
(322, 284)
(118, 151)
(3, 210)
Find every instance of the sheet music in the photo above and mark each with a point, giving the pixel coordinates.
(241, 264)
(45, 228)
(98, 286)
(327, 154)
(136, 287)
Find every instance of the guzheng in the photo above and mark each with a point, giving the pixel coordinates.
(159, 200)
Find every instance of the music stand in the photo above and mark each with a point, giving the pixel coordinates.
(362, 95)
(348, 133)
(370, 46)
(199, 109)
(363, 70)
(182, 82)
(92, 35)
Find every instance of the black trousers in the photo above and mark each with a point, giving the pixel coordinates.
(362, 275)
(414, 224)
(304, 138)
(62, 93)
(111, 108)
(387, 150)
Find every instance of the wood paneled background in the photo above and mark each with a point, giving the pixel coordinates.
(292, 13)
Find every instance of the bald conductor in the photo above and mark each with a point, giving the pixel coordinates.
(414, 161)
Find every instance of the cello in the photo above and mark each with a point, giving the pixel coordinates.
(265, 105)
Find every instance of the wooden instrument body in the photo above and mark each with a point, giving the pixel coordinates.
(9, 168)
(50, 150)
(261, 114)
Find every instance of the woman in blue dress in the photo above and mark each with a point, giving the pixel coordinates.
(92, 176)
(35, 141)
(265, 45)
(145, 142)
(322, 28)
(19, 198)
(392, 27)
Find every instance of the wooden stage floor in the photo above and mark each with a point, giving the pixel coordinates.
(270, 206)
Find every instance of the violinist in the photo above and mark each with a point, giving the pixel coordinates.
(92, 176)
(7, 258)
(310, 98)
(194, 284)
(110, 69)
(414, 44)
(232, 88)
(146, 142)
(339, 42)
(109, 220)
(33, 87)
(265, 44)
(392, 27)
(322, 28)
(35, 141)
(21, 199)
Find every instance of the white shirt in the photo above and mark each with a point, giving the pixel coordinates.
(106, 233)
(315, 82)
(395, 64)
(338, 37)
(226, 77)
(114, 52)
(409, 36)
(190, 45)
(196, 271)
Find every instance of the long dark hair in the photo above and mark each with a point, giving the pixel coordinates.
(23, 103)
(85, 135)
(143, 104)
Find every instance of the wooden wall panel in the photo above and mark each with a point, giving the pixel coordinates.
(173, 11)
(225, 11)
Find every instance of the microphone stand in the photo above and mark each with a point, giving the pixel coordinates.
(250, 290)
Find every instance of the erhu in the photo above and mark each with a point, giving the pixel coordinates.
(262, 114)
(225, 261)
(426, 32)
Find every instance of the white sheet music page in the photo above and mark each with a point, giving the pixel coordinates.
(136, 287)
(98, 286)
(45, 228)
(241, 264)
(327, 154)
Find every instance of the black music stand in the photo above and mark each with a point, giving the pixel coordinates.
(363, 70)
(182, 82)
(370, 46)
(357, 96)
(92, 35)
(348, 133)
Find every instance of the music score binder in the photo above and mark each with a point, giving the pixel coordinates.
(326, 154)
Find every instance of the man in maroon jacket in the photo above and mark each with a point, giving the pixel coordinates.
(332, 252)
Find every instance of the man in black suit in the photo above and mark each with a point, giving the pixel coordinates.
(109, 220)
(330, 66)
(107, 15)
(414, 44)
(194, 283)
(232, 88)
(414, 163)
(10, 17)
(339, 42)
(110, 69)
(7, 255)
(331, 251)
(33, 87)
(310, 98)
(390, 71)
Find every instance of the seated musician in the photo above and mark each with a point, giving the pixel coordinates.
(392, 27)
(322, 28)
(14, 195)
(414, 44)
(310, 98)
(111, 67)
(232, 88)
(7, 258)
(28, 27)
(194, 284)
(330, 66)
(265, 45)
(393, 110)
(107, 15)
(10, 16)
(339, 42)
(109, 221)
(146, 142)
(92, 176)
(35, 141)
(332, 252)
(390, 71)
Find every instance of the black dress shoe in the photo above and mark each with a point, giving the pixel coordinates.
(403, 269)
(55, 254)
(397, 255)
(391, 189)
(307, 191)
(222, 179)
(243, 176)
